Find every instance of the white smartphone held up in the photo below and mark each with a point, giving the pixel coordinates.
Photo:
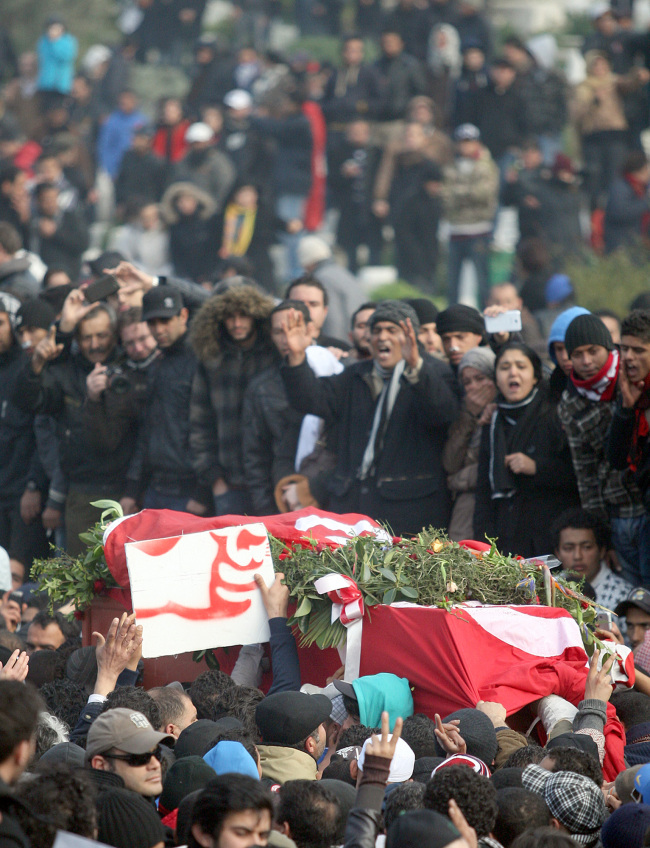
(506, 322)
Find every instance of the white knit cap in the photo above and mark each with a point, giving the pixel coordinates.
(402, 764)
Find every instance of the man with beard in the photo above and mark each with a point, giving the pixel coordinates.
(359, 334)
(392, 415)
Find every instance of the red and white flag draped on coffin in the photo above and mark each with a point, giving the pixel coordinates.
(513, 655)
(292, 528)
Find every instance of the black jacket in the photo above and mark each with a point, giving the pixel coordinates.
(162, 458)
(18, 459)
(408, 487)
(402, 78)
(270, 431)
(352, 94)
(63, 249)
(60, 390)
(140, 176)
(522, 524)
(501, 119)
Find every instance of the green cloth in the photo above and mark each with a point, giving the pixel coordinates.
(378, 692)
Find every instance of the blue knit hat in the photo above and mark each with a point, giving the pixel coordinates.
(626, 827)
(560, 326)
(227, 757)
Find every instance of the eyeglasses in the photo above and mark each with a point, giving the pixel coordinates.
(136, 760)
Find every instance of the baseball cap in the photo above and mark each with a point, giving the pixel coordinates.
(642, 784)
(161, 302)
(467, 132)
(238, 99)
(638, 597)
(624, 783)
(287, 718)
(466, 760)
(125, 729)
(598, 10)
(198, 132)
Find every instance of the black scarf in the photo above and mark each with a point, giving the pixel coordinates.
(510, 430)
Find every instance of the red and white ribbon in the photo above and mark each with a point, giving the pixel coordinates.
(346, 597)
(622, 672)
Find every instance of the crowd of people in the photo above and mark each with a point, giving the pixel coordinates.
(183, 325)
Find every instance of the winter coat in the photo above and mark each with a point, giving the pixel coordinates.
(270, 431)
(598, 103)
(192, 238)
(162, 458)
(18, 459)
(64, 248)
(545, 94)
(56, 62)
(460, 460)
(281, 763)
(466, 96)
(501, 119)
(438, 148)
(602, 488)
(352, 94)
(220, 383)
(522, 524)
(402, 78)
(624, 215)
(294, 144)
(115, 138)
(140, 176)
(60, 390)
(169, 142)
(408, 487)
(470, 191)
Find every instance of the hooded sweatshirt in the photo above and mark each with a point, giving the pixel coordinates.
(378, 692)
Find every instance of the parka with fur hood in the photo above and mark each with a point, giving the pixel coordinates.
(225, 369)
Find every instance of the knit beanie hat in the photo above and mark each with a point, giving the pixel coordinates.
(35, 313)
(559, 327)
(481, 358)
(125, 820)
(394, 311)
(185, 776)
(478, 732)
(626, 827)
(461, 319)
(425, 310)
(587, 330)
(421, 829)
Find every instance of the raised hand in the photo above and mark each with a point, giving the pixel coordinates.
(297, 339)
(449, 736)
(630, 392)
(275, 596)
(16, 667)
(410, 350)
(115, 652)
(96, 382)
(385, 744)
(45, 351)
(75, 309)
(599, 683)
(130, 278)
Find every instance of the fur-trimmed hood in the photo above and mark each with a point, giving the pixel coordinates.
(206, 205)
(207, 332)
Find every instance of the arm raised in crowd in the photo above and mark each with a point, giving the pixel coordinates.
(284, 654)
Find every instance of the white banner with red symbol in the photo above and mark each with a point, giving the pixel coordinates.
(197, 591)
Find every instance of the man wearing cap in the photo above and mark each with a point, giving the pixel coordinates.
(585, 410)
(292, 727)
(204, 165)
(470, 193)
(162, 456)
(574, 801)
(22, 479)
(122, 741)
(392, 415)
(461, 328)
(250, 154)
(636, 611)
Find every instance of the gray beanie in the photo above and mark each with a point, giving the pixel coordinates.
(394, 311)
(481, 358)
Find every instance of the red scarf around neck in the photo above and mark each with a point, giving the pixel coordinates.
(601, 386)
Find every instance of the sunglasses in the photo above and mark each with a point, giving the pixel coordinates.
(136, 760)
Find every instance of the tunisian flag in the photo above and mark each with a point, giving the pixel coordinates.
(292, 528)
(513, 655)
